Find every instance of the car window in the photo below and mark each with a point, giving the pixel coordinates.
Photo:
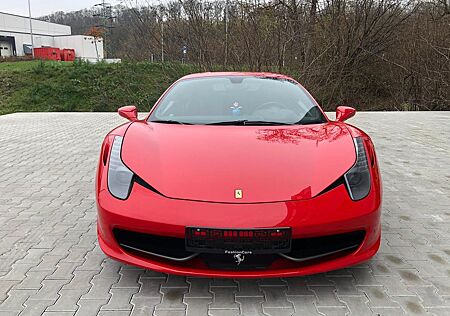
(237, 98)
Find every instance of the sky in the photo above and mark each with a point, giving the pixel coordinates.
(44, 7)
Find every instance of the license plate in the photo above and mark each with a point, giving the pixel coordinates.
(232, 241)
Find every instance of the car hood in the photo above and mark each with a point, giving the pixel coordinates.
(268, 163)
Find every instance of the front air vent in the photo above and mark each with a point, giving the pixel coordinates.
(304, 249)
(155, 245)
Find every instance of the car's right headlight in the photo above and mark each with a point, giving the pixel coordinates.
(357, 179)
(119, 176)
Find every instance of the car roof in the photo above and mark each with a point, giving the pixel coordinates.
(235, 73)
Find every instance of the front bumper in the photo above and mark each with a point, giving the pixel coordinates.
(330, 213)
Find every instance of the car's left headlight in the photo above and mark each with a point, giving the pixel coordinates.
(357, 179)
(119, 176)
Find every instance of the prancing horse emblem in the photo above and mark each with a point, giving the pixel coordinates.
(238, 258)
(238, 194)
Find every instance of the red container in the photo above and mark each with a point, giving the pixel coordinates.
(48, 53)
(68, 54)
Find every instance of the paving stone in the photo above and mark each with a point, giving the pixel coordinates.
(49, 253)
(356, 304)
(128, 278)
(379, 268)
(378, 296)
(197, 306)
(110, 269)
(172, 299)
(275, 297)
(48, 263)
(77, 254)
(89, 307)
(171, 312)
(278, 311)
(364, 276)
(63, 271)
(250, 305)
(153, 274)
(144, 305)
(175, 281)
(81, 280)
(49, 290)
(198, 288)
(33, 280)
(394, 285)
(5, 286)
(429, 296)
(425, 268)
(388, 311)
(67, 300)
(100, 288)
(345, 285)
(223, 298)
(15, 300)
(113, 313)
(18, 271)
(36, 307)
(297, 286)
(411, 277)
(120, 299)
(411, 305)
(249, 288)
(34, 256)
(333, 311)
(61, 248)
(224, 312)
(304, 304)
(442, 285)
(9, 313)
(319, 279)
(149, 288)
(223, 282)
(326, 296)
(439, 311)
(272, 282)
(93, 261)
(341, 272)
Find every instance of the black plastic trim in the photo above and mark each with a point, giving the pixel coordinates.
(304, 249)
(161, 246)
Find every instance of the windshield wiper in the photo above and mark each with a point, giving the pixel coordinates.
(304, 121)
(248, 122)
(170, 122)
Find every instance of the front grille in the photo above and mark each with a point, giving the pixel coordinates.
(230, 241)
(302, 250)
(311, 248)
(146, 244)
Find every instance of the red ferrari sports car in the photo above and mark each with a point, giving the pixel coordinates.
(238, 175)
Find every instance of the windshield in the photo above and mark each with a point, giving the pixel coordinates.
(244, 100)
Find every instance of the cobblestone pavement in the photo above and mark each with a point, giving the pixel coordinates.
(50, 262)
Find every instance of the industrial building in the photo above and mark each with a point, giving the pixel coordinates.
(15, 38)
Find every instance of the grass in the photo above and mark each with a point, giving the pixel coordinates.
(28, 86)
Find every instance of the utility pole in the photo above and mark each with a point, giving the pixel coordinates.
(162, 39)
(226, 33)
(106, 18)
(31, 29)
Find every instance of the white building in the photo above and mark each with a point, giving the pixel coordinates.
(15, 38)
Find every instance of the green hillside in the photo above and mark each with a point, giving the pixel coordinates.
(57, 86)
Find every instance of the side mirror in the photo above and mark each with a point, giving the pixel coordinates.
(344, 113)
(129, 112)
